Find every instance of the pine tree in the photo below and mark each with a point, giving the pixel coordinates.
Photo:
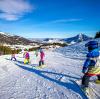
(97, 35)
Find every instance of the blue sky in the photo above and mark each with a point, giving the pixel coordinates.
(50, 18)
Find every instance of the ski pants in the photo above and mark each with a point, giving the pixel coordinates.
(85, 80)
(41, 62)
(13, 58)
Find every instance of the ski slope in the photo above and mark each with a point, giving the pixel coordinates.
(55, 81)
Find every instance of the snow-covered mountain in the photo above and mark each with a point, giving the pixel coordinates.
(7, 34)
(53, 40)
(78, 38)
(13, 39)
(46, 40)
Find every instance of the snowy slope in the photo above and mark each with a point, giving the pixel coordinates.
(20, 81)
(76, 51)
(55, 81)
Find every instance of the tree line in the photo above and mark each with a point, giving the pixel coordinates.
(7, 50)
(97, 35)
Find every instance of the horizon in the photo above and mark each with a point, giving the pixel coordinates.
(47, 37)
(50, 18)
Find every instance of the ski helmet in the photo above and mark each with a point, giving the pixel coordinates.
(41, 50)
(92, 45)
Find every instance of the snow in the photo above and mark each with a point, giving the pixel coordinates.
(7, 34)
(55, 81)
(2, 33)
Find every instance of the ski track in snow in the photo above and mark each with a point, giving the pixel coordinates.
(55, 81)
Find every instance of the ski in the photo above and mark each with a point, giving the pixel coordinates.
(89, 95)
(39, 67)
(94, 90)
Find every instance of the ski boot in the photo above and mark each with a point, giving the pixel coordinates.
(86, 90)
(97, 81)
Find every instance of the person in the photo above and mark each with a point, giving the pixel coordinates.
(91, 66)
(26, 56)
(41, 61)
(13, 56)
(36, 53)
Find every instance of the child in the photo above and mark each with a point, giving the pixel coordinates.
(91, 68)
(41, 62)
(13, 56)
(27, 57)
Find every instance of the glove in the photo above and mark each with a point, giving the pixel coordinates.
(84, 70)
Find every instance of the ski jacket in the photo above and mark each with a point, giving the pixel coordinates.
(91, 65)
(42, 56)
(92, 54)
(27, 55)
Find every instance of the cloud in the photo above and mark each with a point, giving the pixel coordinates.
(12, 10)
(65, 20)
(59, 21)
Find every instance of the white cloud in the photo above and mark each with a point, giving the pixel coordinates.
(65, 20)
(14, 9)
(9, 17)
(59, 21)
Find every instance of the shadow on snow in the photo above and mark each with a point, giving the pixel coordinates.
(69, 85)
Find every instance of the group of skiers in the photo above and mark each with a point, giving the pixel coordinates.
(38, 53)
(91, 66)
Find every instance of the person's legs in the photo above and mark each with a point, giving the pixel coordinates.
(28, 60)
(14, 58)
(98, 80)
(98, 77)
(40, 63)
(85, 80)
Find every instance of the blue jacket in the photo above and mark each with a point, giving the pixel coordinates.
(92, 54)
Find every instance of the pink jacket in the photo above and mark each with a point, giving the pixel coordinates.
(42, 56)
(27, 55)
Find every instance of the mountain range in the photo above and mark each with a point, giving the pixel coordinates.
(78, 38)
(14, 39)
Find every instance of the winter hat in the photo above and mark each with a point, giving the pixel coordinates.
(26, 49)
(41, 50)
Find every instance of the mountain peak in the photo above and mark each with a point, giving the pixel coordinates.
(78, 38)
